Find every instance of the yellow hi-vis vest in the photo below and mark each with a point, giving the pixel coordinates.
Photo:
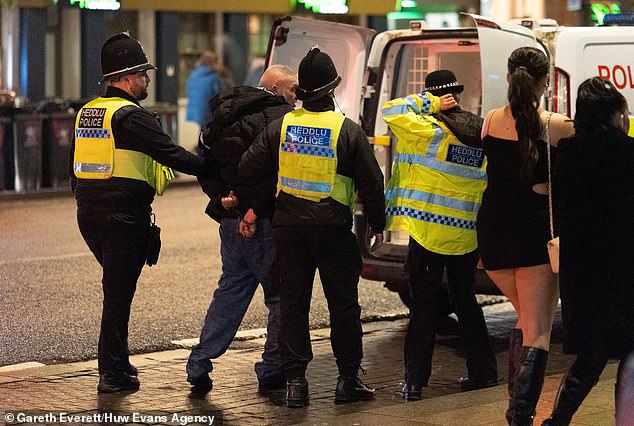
(96, 155)
(308, 157)
(436, 186)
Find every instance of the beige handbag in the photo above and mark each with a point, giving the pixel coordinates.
(553, 244)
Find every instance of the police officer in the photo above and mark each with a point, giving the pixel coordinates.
(114, 177)
(321, 159)
(435, 190)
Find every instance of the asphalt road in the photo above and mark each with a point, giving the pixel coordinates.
(50, 284)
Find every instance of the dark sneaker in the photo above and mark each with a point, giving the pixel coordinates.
(467, 384)
(132, 370)
(412, 392)
(297, 392)
(350, 389)
(276, 382)
(117, 382)
(201, 384)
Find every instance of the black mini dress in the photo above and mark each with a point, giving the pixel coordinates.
(513, 220)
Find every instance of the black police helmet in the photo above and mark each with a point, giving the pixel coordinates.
(442, 82)
(121, 55)
(317, 76)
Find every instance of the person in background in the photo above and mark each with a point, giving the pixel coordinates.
(513, 222)
(322, 158)
(203, 84)
(596, 195)
(115, 141)
(433, 195)
(256, 68)
(240, 114)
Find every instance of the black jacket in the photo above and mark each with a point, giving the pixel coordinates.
(596, 179)
(465, 125)
(355, 159)
(138, 130)
(239, 116)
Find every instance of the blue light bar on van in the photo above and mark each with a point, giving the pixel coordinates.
(619, 19)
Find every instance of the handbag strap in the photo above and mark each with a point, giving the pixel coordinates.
(550, 184)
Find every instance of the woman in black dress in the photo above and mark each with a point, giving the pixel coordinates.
(595, 170)
(513, 222)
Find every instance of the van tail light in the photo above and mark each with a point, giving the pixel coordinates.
(561, 95)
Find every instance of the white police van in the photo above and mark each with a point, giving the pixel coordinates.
(378, 67)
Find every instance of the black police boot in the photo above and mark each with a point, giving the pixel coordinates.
(469, 384)
(297, 392)
(528, 385)
(117, 382)
(201, 384)
(412, 392)
(350, 389)
(572, 391)
(515, 353)
(272, 383)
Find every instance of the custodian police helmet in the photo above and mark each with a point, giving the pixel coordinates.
(317, 76)
(121, 55)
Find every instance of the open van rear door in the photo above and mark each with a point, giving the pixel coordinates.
(497, 41)
(348, 46)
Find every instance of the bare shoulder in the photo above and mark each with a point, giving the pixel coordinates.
(487, 122)
(561, 126)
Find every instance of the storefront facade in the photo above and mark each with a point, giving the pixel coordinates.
(51, 49)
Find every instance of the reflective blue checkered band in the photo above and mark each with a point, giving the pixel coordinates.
(430, 217)
(431, 198)
(442, 167)
(86, 133)
(411, 102)
(317, 151)
(410, 105)
(395, 110)
(303, 185)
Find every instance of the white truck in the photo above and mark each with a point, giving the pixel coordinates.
(378, 67)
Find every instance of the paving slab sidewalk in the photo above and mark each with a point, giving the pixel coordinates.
(164, 397)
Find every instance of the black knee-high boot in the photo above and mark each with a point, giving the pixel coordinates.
(528, 385)
(515, 353)
(573, 389)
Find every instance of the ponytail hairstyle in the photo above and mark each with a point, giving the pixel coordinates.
(597, 102)
(526, 67)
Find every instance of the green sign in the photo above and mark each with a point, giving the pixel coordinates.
(90, 4)
(339, 7)
(599, 10)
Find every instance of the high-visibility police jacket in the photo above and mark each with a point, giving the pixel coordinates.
(437, 182)
(308, 157)
(96, 155)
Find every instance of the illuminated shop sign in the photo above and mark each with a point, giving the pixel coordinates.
(339, 7)
(600, 9)
(90, 4)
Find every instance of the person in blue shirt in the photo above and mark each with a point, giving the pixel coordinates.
(203, 84)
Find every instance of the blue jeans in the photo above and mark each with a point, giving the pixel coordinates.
(245, 263)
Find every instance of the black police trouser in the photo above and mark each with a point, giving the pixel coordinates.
(425, 270)
(119, 243)
(335, 253)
